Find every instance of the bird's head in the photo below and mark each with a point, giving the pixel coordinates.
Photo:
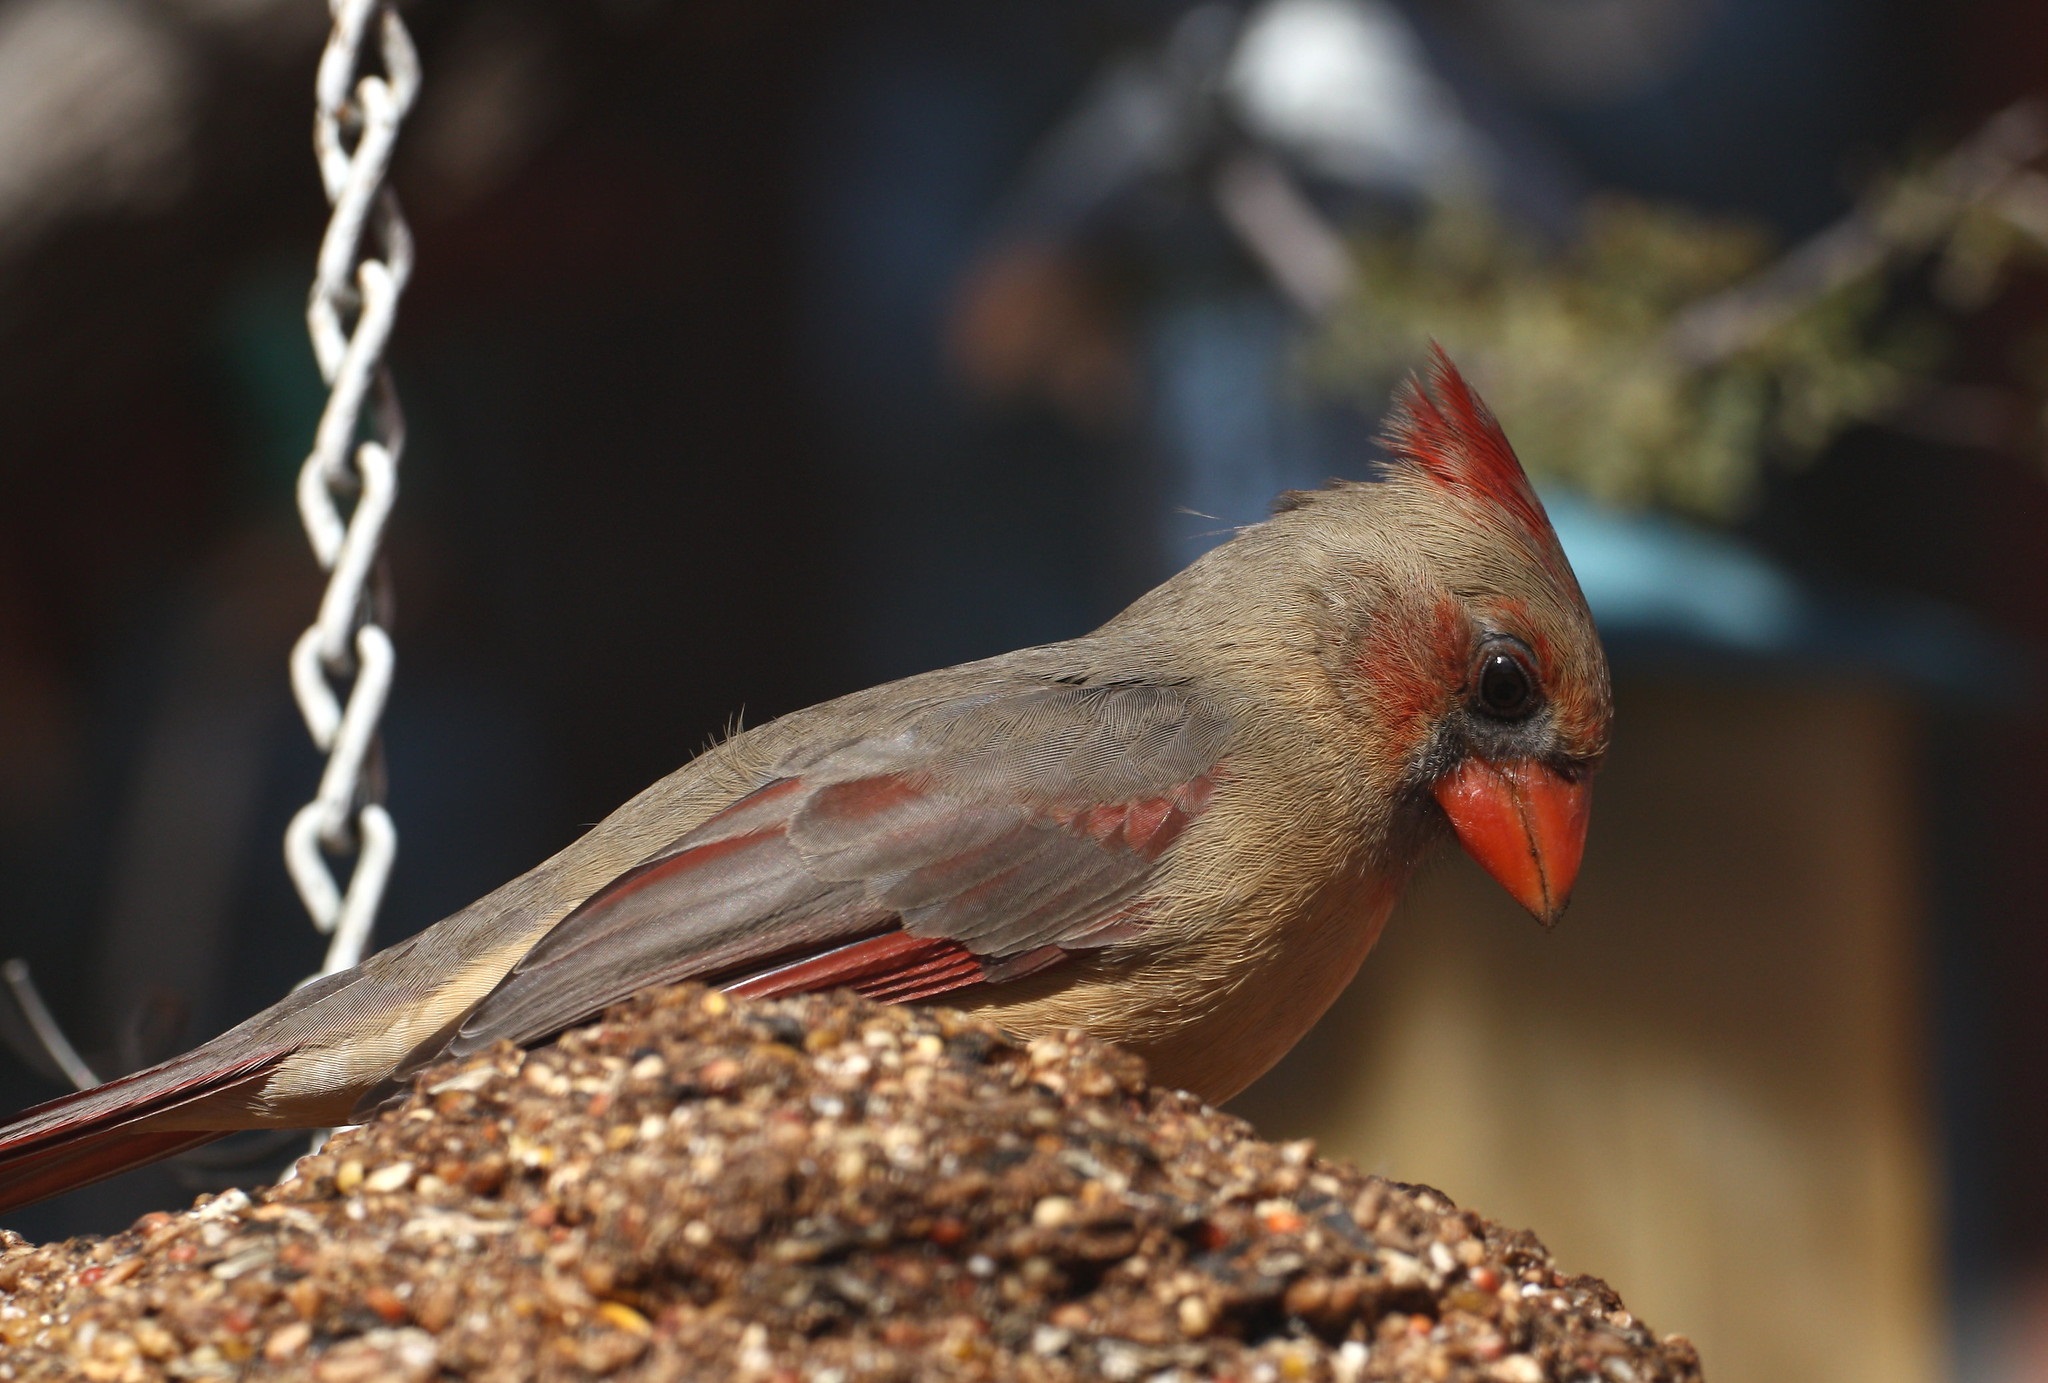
(1454, 635)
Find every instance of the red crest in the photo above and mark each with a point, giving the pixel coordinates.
(1447, 432)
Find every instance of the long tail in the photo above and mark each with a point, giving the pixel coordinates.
(78, 1139)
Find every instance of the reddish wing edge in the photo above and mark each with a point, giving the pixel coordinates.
(897, 967)
(894, 968)
(79, 1139)
(846, 930)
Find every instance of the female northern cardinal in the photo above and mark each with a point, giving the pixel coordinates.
(1181, 832)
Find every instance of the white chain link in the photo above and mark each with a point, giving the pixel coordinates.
(354, 300)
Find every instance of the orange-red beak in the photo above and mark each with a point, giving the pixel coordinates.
(1526, 825)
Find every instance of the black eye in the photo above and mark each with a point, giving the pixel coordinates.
(1506, 688)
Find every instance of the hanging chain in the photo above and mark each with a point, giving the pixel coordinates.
(354, 461)
(354, 299)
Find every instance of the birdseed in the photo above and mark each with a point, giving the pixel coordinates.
(814, 1190)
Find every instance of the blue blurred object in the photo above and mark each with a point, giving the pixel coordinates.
(1665, 590)
(1222, 415)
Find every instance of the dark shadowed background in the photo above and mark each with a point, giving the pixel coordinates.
(760, 351)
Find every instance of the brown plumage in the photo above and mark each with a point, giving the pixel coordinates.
(1182, 832)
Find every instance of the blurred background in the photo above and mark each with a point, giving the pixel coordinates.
(759, 351)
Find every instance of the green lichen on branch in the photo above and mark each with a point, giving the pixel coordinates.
(1666, 357)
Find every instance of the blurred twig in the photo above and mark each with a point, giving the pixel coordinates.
(37, 1014)
(1665, 356)
(1906, 217)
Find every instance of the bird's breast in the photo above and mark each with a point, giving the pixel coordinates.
(1217, 1009)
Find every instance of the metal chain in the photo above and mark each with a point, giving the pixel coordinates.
(354, 461)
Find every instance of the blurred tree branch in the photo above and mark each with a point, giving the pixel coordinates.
(1665, 357)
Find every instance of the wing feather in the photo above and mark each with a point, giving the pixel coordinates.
(982, 840)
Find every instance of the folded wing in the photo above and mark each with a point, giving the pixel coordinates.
(975, 842)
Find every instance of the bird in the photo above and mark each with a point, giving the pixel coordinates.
(1181, 832)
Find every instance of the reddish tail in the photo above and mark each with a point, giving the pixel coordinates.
(79, 1139)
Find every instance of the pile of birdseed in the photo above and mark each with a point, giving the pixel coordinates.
(814, 1190)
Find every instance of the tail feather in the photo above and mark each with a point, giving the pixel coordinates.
(78, 1139)
(93, 1158)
